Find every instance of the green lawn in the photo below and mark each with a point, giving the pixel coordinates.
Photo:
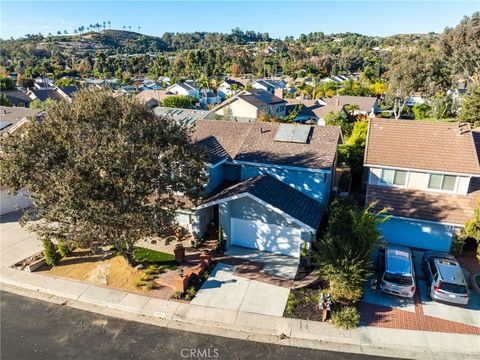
(160, 258)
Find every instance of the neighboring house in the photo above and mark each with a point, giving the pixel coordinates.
(187, 88)
(56, 93)
(428, 174)
(229, 87)
(188, 116)
(269, 183)
(269, 85)
(11, 119)
(367, 105)
(17, 98)
(248, 105)
(416, 99)
(152, 98)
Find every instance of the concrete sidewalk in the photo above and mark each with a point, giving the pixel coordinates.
(243, 325)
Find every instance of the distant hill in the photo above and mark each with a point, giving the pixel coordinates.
(108, 41)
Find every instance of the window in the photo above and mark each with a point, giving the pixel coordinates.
(393, 177)
(442, 182)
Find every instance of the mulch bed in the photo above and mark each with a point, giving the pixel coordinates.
(306, 302)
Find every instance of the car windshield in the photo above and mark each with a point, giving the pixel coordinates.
(398, 279)
(453, 288)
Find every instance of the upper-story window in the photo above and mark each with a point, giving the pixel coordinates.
(393, 177)
(442, 182)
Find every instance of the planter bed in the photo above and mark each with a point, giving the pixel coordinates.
(31, 263)
(303, 303)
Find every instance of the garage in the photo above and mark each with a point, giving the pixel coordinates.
(266, 237)
(418, 234)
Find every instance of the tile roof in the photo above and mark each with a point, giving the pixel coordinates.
(254, 142)
(423, 205)
(444, 147)
(11, 116)
(365, 103)
(16, 96)
(44, 94)
(279, 195)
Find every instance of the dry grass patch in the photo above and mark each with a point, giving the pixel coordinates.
(111, 270)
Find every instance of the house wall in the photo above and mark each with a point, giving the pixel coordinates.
(184, 219)
(200, 221)
(10, 203)
(314, 184)
(419, 181)
(215, 177)
(231, 172)
(418, 234)
(248, 209)
(238, 108)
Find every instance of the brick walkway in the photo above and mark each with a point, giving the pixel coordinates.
(387, 317)
(252, 270)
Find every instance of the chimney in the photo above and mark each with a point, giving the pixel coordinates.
(278, 93)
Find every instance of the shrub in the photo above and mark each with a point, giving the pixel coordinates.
(347, 317)
(177, 294)
(49, 252)
(292, 303)
(190, 293)
(64, 249)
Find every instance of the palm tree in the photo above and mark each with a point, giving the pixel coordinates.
(139, 29)
(204, 85)
(104, 25)
(49, 34)
(65, 32)
(129, 28)
(108, 22)
(124, 27)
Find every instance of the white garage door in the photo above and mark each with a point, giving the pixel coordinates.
(266, 237)
(419, 234)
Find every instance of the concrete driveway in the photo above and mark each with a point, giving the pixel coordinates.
(274, 264)
(16, 243)
(227, 291)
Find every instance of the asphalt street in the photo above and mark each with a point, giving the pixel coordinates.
(34, 329)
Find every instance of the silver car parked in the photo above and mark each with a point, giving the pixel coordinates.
(445, 280)
(398, 274)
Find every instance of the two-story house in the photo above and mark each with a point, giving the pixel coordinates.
(269, 183)
(229, 87)
(248, 105)
(427, 174)
(187, 88)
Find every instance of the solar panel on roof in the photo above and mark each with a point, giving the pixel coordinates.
(293, 133)
(300, 134)
(4, 124)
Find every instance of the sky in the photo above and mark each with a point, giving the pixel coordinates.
(278, 18)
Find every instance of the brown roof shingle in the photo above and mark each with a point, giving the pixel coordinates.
(423, 205)
(444, 147)
(254, 142)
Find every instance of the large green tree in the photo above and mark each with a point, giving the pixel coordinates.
(470, 111)
(461, 47)
(103, 171)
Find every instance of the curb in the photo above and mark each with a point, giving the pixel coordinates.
(242, 325)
